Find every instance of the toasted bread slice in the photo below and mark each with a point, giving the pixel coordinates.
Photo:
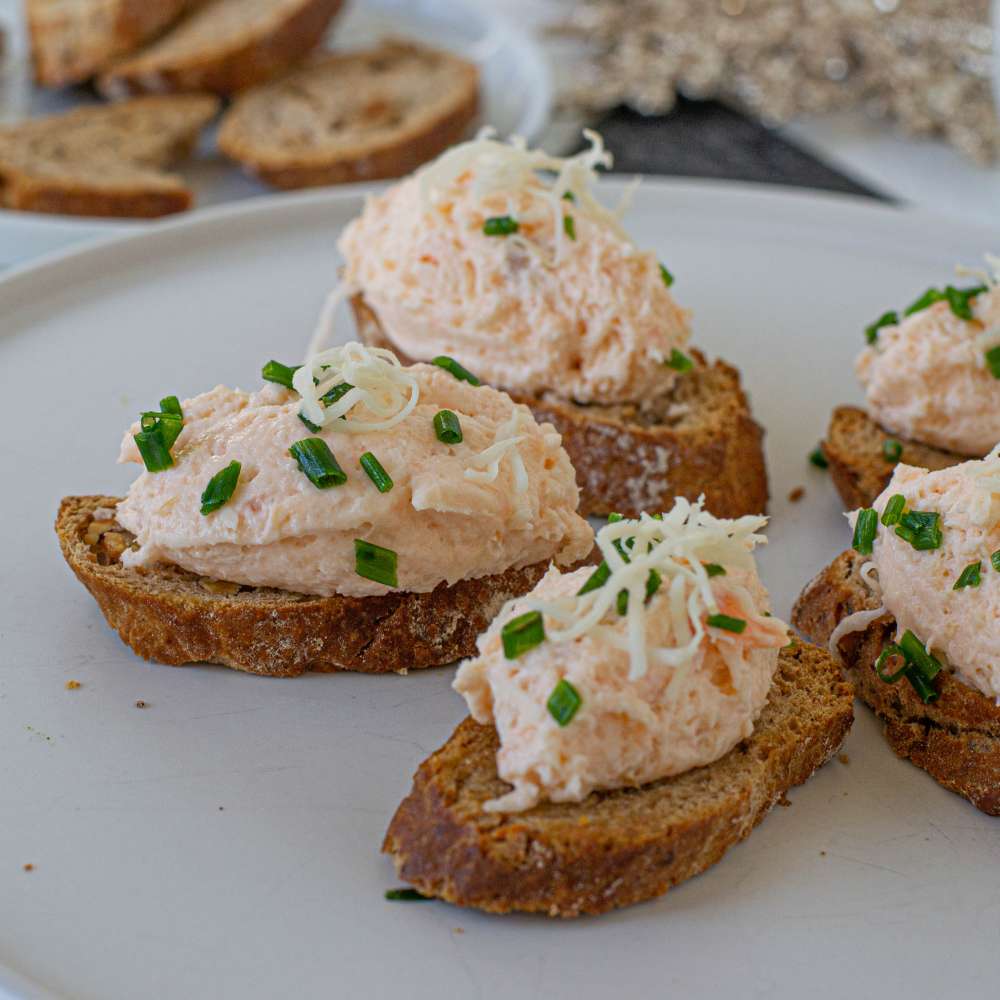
(103, 160)
(223, 47)
(171, 616)
(955, 739)
(614, 848)
(353, 117)
(858, 465)
(698, 439)
(72, 39)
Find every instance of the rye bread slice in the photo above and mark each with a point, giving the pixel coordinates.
(171, 616)
(223, 47)
(858, 466)
(72, 39)
(354, 116)
(106, 160)
(955, 739)
(698, 439)
(614, 848)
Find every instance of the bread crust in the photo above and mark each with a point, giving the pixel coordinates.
(614, 848)
(229, 67)
(625, 466)
(955, 739)
(858, 466)
(170, 616)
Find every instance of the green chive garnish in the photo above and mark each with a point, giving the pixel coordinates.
(919, 667)
(378, 475)
(447, 428)
(155, 454)
(596, 580)
(817, 458)
(960, 300)
(564, 702)
(653, 582)
(167, 425)
(969, 577)
(315, 428)
(569, 196)
(892, 450)
(220, 488)
(921, 685)
(668, 278)
(451, 365)
(332, 395)
(915, 651)
(275, 371)
(317, 462)
(893, 509)
(995, 560)
(890, 318)
(679, 361)
(569, 226)
(406, 895)
(500, 225)
(992, 357)
(714, 569)
(865, 528)
(171, 404)
(375, 563)
(922, 529)
(522, 633)
(727, 622)
(890, 650)
(929, 297)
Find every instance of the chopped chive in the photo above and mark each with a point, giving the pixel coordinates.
(668, 278)
(275, 371)
(167, 425)
(569, 196)
(915, 651)
(960, 299)
(406, 895)
(919, 667)
(171, 404)
(500, 225)
(893, 509)
(679, 361)
(714, 569)
(522, 633)
(378, 475)
(992, 357)
(971, 576)
(317, 462)
(817, 458)
(995, 560)
(921, 685)
(929, 297)
(892, 450)
(596, 580)
(154, 453)
(865, 528)
(890, 318)
(375, 563)
(890, 650)
(220, 488)
(569, 226)
(447, 428)
(727, 622)
(315, 428)
(451, 365)
(922, 529)
(614, 517)
(564, 702)
(338, 391)
(653, 582)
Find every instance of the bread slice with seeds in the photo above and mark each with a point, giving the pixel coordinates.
(955, 739)
(171, 616)
(355, 116)
(103, 160)
(619, 847)
(854, 447)
(223, 47)
(698, 439)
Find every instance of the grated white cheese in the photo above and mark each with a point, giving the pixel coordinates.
(379, 383)
(485, 467)
(676, 547)
(984, 507)
(988, 276)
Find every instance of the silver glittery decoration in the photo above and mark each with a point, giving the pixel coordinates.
(924, 64)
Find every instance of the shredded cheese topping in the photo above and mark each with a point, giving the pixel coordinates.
(988, 276)
(984, 508)
(378, 382)
(859, 620)
(675, 547)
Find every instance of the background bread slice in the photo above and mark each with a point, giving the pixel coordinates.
(223, 47)
(858, 466)
(172, 616)
(614, 848)
(351, 117)
(104, 160)
(72, 39)
(955, 739)
(698, 439)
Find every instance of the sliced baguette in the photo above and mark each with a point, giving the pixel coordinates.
(223, 47)
(103, 160)
(614, 848)
(72, 39)
(699, 439)
(955, 739)
(352, 117)
(858, 466)
(171, 616)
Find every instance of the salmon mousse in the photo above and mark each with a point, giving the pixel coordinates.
(503, 258)
(350, 478)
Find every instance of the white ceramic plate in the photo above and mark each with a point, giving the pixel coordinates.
(224, 842)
